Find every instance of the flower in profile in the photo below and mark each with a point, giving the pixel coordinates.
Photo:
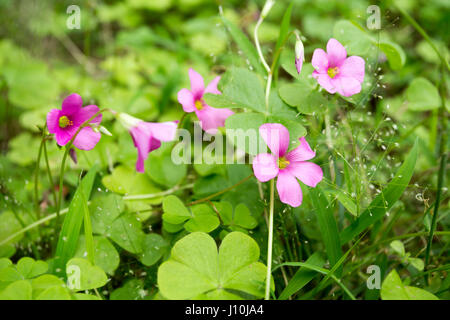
(299, 54)
(192, 101)
(287, 166)
(337, 73)
(65, 123)
(147, 136)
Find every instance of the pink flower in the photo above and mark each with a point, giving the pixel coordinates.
(287, 166)
(337, 73)
(192, 101)
(299, 54)
(147, 136)
(64, 123)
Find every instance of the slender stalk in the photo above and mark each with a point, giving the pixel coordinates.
(158, 194)
(50, 177)
(258, 47)
(36, 180)
(270, 240)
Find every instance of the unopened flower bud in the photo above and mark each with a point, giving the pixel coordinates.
(265, 11)
(299, 55)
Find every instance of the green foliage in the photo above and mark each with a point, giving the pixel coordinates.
(394, 289)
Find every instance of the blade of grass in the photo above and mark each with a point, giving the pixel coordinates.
(327, 225)
(70, 231)
(244, 44)
(302, 277)
(89, 238)
(385, 200)
(284, 33)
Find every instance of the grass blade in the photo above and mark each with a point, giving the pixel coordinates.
(302, 277)
(385, 200)
(70, 231)
(244, 44)
(284, 33)
(327, 225)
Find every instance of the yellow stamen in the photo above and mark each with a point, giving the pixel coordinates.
(64, 121)
(199, 104)
(332, 72)
(283, 163)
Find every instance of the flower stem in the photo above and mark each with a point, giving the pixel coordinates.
(50, 177)
(270, 240)
(36, 180)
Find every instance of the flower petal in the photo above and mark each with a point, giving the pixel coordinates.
(336, 53)
(87, 139)
(85, 114)
(53, 120)
(276, 136)
(307, 172)
(186, 99)
(141, 140)
(353, 67)
(265, 167)
(289, 189)
(320, 60)
(163, 131)
(302, 153)
(212, 118)
(63, 136)
(347, 86)
(212, 86)
(325, 81)
(72, 104)
(197, 84)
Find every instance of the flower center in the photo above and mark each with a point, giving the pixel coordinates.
(64, 121)
(283, 163)
(332, 72)
(199, 104)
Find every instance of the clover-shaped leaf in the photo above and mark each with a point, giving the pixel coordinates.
(196, 269)
(394, 289)
(238, 218)
(82, 275)
(198, 218)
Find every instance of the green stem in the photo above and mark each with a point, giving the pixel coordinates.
(36, 180)
(270, 240)
(158, 194)
(50, 177)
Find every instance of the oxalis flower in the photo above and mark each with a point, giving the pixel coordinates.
(192, 101)
(287, 166)
(64, 123)
(337, 73)
(147, 136)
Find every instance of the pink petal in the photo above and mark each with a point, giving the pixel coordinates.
(163, 131)
(87, 139)
(85, 114)
(320, 61)
(63, 136)
(212, 118)
(298, 65)
(307, 172)
(144, 143)
(302, 153)
(72, 104)
(197, 84)
(265, 166)
(353, 67)
(212, 86)
(53, 120)
(325, 81)
(186, 99)
(289, 189)
(276, 136)
(347, 86)
(336, 53)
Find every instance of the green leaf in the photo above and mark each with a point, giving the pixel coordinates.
(394, 289)
(104, 210)
(244, 44)
(327, 225)
(70, 231)
(18, 290)
(82, 275)
(175, 212)
(385, 200)
(196, 268)
(105, 256)
(417, 263)
(131, 290)
(153, 248)
(346, 201)
(127, 232)
(353, 37)
(29, 268)
(394, 53)
(44, 282)
(398, 247)
(302, 277)
(54, 293)
(422, 95)
(203, 219)
(307, 101)
(162, 170)
(239, 217)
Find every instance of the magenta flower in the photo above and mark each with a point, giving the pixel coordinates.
(64, 123)
(147, 136)
(337, 73)
(192, 101)
(287, 166)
